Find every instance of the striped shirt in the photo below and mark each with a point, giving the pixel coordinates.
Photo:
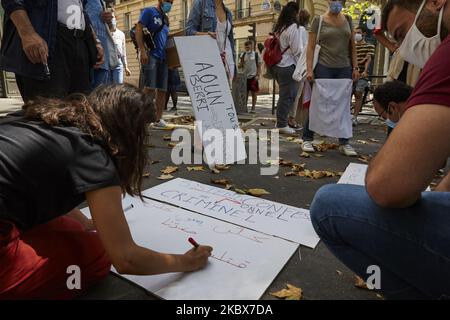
(362, 51)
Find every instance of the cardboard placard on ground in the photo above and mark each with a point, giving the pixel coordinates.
(258, 214)
(356, 174)
(243, 265)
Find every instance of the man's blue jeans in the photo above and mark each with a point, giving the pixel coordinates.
(116, 75)
(411, 246)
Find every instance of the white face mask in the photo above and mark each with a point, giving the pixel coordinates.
(358, 37)
(416, 48)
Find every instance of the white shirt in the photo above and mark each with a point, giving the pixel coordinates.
(221, 39)
(119, 40)
(292, 38)
(70, 13)
(250, 68)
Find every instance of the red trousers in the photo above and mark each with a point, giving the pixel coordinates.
(34, 264)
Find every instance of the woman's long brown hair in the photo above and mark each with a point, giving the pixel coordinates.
(115, 116)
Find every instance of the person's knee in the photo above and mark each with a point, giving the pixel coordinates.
(332, 201)
(322, 205)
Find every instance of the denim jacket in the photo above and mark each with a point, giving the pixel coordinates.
(208, 21)
(43, 15)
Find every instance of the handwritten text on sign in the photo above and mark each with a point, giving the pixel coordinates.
(262, 215)
(210, 95)
(242, 265)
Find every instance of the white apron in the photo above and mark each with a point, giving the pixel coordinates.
(329, 113)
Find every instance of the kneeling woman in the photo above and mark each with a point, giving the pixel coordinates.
(54, 155)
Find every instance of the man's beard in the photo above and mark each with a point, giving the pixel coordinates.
(428, 23)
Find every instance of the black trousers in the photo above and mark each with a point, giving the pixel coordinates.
(69, 69)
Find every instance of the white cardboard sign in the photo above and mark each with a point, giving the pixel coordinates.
(354, 174)
(244, 263)
(258, 214)
(211, 98)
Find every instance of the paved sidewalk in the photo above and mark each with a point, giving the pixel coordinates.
(8, 105)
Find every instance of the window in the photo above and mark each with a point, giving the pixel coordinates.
(242, 8)
(127, 23)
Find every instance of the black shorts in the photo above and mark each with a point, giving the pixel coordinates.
(252, 85)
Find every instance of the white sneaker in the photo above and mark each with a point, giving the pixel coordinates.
(286, 130)
(348, 150)
(307, 146)
(160, 124)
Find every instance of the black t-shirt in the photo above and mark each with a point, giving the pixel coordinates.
(45, 170)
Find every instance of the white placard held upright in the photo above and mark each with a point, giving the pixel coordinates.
(211, 98)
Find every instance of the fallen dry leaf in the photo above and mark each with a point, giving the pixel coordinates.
(340, 273)
(183, 120)
(146, 175)
(240, 191)
(171, 144)
(364, 158)
(294, 140)
(165, 177)
(291, 174)
(359, 283)
(306, 173)
(169, 170)
(222, 167)
(324, 146)
(298, 167)
(196, 168)
(318, 174)
(273, 162)
(318, 155)
(215, 171)
(257, 192)
(362, 141)
(155, 161)
(374, 140)
(223, 182)
(291, 293)
(167, 137)
(305, 155)
(286, 163)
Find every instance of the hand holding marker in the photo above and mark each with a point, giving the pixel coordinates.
(197, 257)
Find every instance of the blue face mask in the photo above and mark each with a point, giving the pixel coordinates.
(114, 23)
(336, 7)
(390, 123)
(166, 6)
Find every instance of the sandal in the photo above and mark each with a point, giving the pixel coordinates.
(293, 124)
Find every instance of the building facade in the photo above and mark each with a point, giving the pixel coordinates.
(261, 13)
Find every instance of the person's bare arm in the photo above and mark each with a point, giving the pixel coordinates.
(354, 57)
(407, 163)
(36, 49)
(127, 257)
(310, 55)
(143, 56)
(385, 42)
(366, 66)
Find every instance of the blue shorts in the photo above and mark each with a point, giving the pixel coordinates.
(361, 85)
(155, 74)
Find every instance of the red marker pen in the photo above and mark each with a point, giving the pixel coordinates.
(193, 242)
